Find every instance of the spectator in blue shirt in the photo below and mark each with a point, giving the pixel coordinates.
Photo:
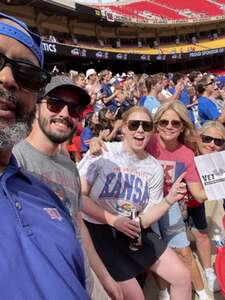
(108, 96)
(40, 256)
(154, 87)
(91, 122)
(207, 108)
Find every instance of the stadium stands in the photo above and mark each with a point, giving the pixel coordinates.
(166, 9)
(143, 8)
(199, 6)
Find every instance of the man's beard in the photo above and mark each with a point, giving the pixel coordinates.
(53, 136)
(12, 133)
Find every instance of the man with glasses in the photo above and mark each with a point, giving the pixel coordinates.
(40, 256)
(57, 114)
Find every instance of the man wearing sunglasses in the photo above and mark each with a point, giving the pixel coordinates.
(40, 256)
(207, 107)
(57, 114)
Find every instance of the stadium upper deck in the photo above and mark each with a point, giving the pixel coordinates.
(76, 32)
(166, 10)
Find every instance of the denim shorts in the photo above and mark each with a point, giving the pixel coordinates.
(196, 218)
(172, 228)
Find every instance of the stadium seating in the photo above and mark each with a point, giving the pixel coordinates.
(166, 9)
(171, 48)
(154, 9)
(124, 10)
(199, 6)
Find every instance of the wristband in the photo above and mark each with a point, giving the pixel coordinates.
(167, 201)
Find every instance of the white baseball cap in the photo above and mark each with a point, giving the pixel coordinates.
(90, 72)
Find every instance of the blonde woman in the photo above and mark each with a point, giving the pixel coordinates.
(173, 145)
(211, 139)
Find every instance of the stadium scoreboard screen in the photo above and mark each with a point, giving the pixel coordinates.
(88, 11)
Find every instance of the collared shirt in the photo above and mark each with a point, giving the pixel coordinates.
(40, 257)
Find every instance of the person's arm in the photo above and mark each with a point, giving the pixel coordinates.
(105, 100)
(175, 97)
(110, 285)
(193, 180)
(176, 193)
(197, 191)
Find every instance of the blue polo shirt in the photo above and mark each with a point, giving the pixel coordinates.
(40, 257)
(207, 110)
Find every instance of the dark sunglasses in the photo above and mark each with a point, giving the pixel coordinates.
(208, 139)
(133, 125)
(209, 83)
(27, 75)
(55, 105)
(175, 123)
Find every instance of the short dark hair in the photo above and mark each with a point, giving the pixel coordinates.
(177, 76)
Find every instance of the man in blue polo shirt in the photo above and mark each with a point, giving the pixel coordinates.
(40, 257)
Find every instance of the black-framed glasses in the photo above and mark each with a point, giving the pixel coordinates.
(174, 123)
(56, 105)
(27, 75)
(208, 139)
(133, 125)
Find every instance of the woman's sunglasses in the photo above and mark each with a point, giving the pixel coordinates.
(208, 139)
(175, 123)
(27, 75)
(56, 105)
(133, 125)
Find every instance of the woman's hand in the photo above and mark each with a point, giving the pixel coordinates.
(177, 191)
(127, 226)
(96, 146)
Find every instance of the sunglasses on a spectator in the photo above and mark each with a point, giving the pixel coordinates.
(174, 123)
(27, 75)
(56, 105)
(133, 125)
(208, 139)
(209, 83)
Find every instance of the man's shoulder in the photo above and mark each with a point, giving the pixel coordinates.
(24, 149)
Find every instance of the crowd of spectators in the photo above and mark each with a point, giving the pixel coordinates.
(124, 210)
(113, 94)
(182, 107)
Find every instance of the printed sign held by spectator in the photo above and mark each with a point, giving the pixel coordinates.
(211, 168)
